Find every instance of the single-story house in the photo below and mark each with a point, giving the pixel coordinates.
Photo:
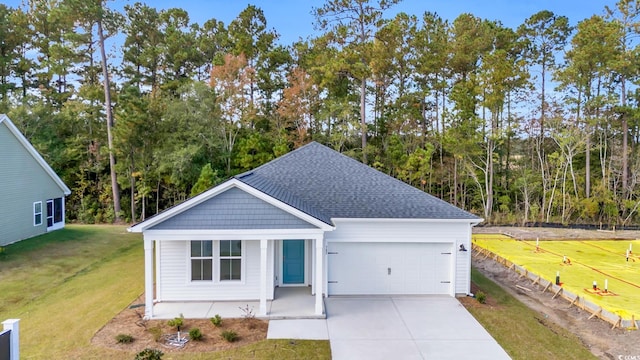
(31, 192)
(312, 218)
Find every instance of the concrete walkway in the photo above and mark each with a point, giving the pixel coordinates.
(430, 327)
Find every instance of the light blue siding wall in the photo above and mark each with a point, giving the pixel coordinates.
(22, 182)
(233, 209)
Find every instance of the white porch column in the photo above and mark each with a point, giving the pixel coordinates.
(263, 276)
(148, 278)
(319, 272)
(14, 326)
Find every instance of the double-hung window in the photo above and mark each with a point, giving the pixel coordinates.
(208, 257)
(201, 260)
(230, 260)
(37, 213)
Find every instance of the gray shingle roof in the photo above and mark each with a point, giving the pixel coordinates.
(326, 184)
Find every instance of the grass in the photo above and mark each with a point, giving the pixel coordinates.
(522, 332)
(66, 285)
(590, 260)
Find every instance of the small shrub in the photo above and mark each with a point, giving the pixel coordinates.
(195, 334)
(124, 338)
(481, 297)
(149, 354)
(216, 320)
(247, 312)
(156, 332)
(176, 322)
(229, 335)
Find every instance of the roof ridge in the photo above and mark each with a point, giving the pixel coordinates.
(250, 172)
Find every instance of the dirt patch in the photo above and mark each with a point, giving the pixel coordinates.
(596, 334)
(471, 302)
(130, 322)
(532, 233)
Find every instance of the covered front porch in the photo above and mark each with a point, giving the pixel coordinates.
(263, 282)
(288, 303)
(232, 244)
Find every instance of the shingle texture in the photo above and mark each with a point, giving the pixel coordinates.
(326, 184)
(233, 209)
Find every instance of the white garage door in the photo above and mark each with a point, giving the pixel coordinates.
(389, 268)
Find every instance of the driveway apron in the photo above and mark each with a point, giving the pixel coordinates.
(429, 327)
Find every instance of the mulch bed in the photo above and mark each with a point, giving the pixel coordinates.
(130, 322)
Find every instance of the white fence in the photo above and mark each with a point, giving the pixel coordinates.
(10, 340)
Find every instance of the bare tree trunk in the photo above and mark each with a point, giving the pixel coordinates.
(625, 131)
(107, 105)
(363, 120)
(132, 182)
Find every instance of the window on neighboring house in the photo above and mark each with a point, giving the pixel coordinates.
(55, 212)
(37, 213)
(49, 213)
(230, 260)
(201, 260)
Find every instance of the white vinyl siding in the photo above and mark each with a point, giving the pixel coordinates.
(174, 265)
(37, 213)
(412, 231)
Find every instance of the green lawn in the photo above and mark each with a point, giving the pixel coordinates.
(65, 285)
(523, 333)
(590, 260)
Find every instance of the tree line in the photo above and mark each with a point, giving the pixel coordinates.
(534, 123)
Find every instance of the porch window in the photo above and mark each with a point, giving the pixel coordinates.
(201, 260)
(55, 213)
(37, 213)
(230, 260)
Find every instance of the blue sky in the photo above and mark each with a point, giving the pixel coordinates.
(293, 19)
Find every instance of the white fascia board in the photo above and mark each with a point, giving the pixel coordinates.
(34, 153)
(269, 234)
(473, 222)
(140, 227)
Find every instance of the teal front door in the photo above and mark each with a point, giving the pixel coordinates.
(293, 261)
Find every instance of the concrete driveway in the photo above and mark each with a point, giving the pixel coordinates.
(433, 327)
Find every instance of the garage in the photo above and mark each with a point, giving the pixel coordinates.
(384, 268)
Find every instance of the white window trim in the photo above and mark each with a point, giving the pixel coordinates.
(35, 213)
(216, 265)
(213, 263)
(242, 261)
(55, 225)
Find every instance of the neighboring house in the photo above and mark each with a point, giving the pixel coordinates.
(31, 192)
(312, 217)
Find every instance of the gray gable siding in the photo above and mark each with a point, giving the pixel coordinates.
(233, 209)
(22, 182)
(326, 184)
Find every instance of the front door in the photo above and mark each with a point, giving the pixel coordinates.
(293, 261)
